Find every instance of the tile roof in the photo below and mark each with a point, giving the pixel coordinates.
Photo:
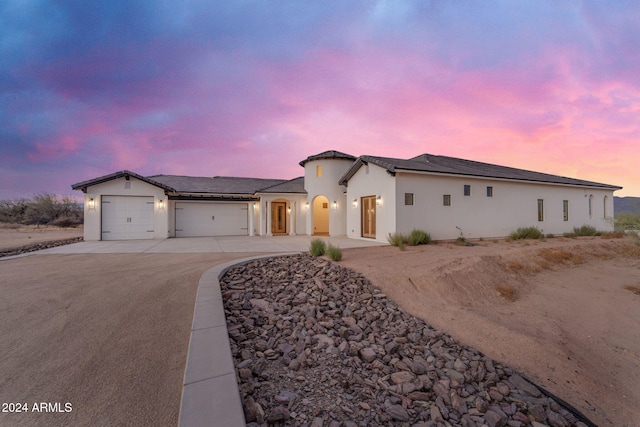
(125, 173)
(216, 184)
(331, 154)
(295, 185)
(454, 166)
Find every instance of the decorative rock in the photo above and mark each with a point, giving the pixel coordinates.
(402, 377)
(397, 412)
(310, 337)
(367, 354)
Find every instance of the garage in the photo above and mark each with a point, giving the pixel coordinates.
(127, 217)
(204, 219)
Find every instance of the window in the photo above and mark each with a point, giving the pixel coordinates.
(446, 200)
(590, 205)
(489, 191)
(467, 190)
(565, 210)
(408, 199)
(540, 210)
(319, 171)
(605, 206)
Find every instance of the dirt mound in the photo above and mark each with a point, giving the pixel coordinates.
(563, 311)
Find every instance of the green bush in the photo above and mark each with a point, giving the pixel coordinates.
(318, 247)
(585, 230)
(418, 237)
(397, 239)
(334, 252)
(526, 233)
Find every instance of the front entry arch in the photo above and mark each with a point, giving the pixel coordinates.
(321, 216)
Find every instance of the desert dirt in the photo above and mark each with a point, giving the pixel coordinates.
(106, 333)
(13, 235)
(564, 312)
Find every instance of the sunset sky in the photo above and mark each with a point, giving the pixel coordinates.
(250, 88)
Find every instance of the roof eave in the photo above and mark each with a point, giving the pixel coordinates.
(586, 184)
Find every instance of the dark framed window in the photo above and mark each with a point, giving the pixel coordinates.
(540, 210)
(489, 191)
(408, 199)
(446, 200)
(565, 210)
(467, 190)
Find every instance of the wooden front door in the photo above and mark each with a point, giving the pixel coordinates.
(369, 216)
(279, 217)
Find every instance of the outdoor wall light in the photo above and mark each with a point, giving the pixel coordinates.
(355, 203)
(306, 205)
(335, 205)
(379, 201)
(161, 204)
(289, 209)
(92, 203)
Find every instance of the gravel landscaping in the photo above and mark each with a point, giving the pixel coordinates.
(316, 344)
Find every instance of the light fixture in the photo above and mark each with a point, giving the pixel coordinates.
(161, 204)
(92, 203)
(355, 203)
(306, 205)
(289, 209)
(378, 200)
(335, 205)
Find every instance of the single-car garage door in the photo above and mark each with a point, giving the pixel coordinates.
(200, 219)
(127, 217)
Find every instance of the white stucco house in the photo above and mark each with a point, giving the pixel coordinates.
(366, 197)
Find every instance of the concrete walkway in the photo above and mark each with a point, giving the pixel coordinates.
(210, 394)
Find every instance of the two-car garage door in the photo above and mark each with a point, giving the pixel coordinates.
(198, 219)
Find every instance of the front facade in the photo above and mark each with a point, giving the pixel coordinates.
(340, 195)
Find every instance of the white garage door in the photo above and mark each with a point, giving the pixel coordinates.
(199, 219)
(127, 217)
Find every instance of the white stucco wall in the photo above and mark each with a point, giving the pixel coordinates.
(327, 185)
(116, 187)
(371, 180)
(513, 205)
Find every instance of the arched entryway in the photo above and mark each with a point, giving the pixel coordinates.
(320, 216)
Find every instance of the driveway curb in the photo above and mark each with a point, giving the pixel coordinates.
(210, 394)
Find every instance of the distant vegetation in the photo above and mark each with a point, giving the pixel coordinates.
(42, 209)
(627, 221)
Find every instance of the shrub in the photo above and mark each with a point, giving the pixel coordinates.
(585, 230)
(334, 252)
(397, 239)
(526, 233)
(418, 237)
(318, 247)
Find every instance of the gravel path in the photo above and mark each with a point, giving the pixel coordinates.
(316, 345)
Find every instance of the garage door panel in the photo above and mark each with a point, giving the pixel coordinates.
(201, 219)
(127, 217)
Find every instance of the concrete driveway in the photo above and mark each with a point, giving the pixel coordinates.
(222, 244)
(110, 329)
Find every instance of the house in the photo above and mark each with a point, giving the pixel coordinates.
(366, 197)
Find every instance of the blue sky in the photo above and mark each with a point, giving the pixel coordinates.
(250, 88)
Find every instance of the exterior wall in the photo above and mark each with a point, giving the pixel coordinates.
(327, 185)
(513, 205)
(372, 180)
(116, 187)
